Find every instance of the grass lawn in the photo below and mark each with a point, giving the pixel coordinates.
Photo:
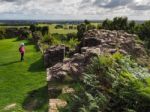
(22, 84)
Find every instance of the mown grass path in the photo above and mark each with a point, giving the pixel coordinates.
(22, 84)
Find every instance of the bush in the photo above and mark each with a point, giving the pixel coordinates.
(99, 26)
(81, 30)
(111, 84)
(71, 36)
(68, 40)
(2, 34)
(47, 39)
(72, 43)
(70, 27)
(90, 27)
(59, 27)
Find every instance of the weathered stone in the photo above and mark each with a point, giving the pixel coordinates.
(91, 41)
(60, 76)
(112, 51)
(53, 92)
(67, 90)
(123, 52)
(112, 40)
(54, 55)
(54, 104)
(46, 59)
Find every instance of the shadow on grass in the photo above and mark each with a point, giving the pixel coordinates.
(9, 63)
(37, 100)
(37, 66)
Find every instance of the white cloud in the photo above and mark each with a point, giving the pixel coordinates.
(74, 9)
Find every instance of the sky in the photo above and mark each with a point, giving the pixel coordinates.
(74, 9)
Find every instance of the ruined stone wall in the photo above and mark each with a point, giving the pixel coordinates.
(112, 41)
(95, 42)
(54, 55)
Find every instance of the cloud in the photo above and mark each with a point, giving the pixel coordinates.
(74, 9)
(131, 4)
(140, 5)
(8, 0)
(112, 3)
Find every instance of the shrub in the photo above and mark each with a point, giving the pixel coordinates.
(68, 40)
(71, 36)
(90, 27)
(81, 30)
(47, 39)
(111, 84)
(72, 43)
(59, 27)
(99, 26)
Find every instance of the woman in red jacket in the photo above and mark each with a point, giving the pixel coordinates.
(22, 51)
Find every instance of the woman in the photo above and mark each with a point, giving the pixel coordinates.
(22, 51)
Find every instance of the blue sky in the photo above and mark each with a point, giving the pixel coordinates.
(74, 9)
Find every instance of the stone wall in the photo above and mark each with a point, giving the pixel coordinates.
(113, 41)
(95, 42)
(54, 55)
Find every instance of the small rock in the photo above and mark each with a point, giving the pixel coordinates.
(67, 90)
(9, 107)
(55, 104)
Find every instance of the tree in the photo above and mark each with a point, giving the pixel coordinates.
(131, 26)
(58, 26)
(45, 30)
(70, 27)
(32, 28)
(86, 22)
(99, 26)
(120, 23)
(107, 24)
(144, 31)
(81, 30)
(71, 36)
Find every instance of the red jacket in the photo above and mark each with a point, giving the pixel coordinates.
(22, 49)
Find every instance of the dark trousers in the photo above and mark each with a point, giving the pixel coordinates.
(22, 56)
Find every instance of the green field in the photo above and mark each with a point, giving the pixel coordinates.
(51, 28)
(60, 31)
(22, 84)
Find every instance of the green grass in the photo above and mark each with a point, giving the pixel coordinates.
(22, 83)
(60, 31)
